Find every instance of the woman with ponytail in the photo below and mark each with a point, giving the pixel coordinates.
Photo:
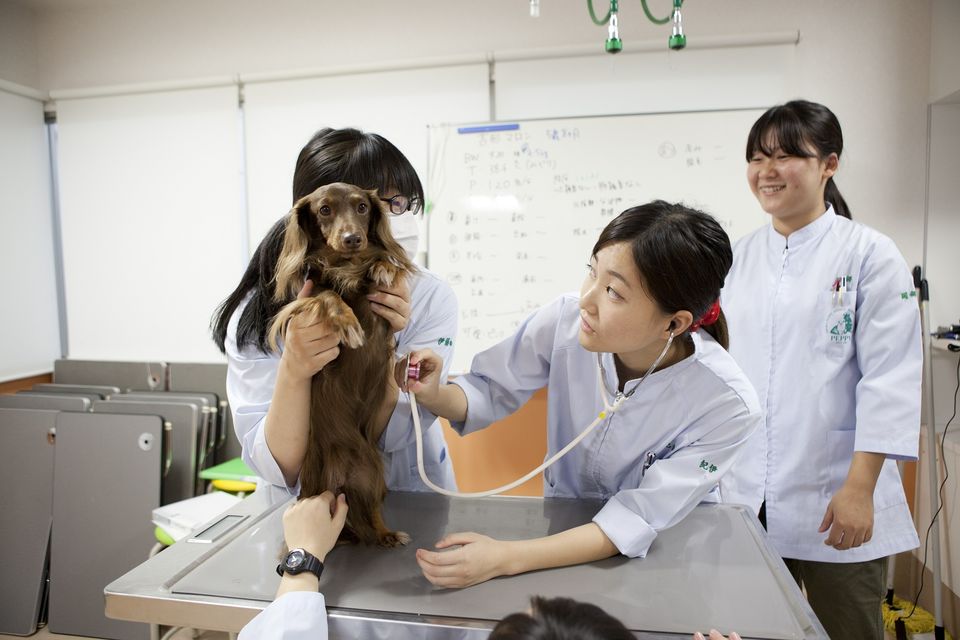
(643, 348)
(824, 321)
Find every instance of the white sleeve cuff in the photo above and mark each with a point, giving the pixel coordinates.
(629, 532)
(893, 449)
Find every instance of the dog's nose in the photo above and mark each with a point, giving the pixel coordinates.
(352, 240)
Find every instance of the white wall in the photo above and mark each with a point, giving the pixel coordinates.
(945, 50)
(859, 57)
(943, 259)
(18, 44)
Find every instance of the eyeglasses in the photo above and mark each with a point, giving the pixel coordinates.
(402, 204)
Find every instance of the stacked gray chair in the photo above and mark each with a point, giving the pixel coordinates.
(106, 483)
(126, 375)
(185, 420)
(26, 470)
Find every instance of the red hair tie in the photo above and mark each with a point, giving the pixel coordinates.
(711, 316)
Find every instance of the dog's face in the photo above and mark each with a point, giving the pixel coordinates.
(341, 216)
(344, 214)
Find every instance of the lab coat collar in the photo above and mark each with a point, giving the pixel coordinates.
(803, 235)
(657, 377)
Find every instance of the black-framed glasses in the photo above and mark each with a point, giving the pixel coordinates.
(401, 204)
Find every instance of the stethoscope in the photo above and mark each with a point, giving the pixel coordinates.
(413, 373)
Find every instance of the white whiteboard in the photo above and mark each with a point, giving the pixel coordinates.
(516, 211)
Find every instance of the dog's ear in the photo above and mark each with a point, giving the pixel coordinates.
(380, 231)
(296, 241)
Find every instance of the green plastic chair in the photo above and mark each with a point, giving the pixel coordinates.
(232, 476)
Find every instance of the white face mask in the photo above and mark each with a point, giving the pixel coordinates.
(406, 232)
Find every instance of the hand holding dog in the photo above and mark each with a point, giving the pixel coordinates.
(309, 345)
(392, 303)
(315, 523)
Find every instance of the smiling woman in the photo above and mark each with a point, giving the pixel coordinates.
(654, 279)
(821, 324)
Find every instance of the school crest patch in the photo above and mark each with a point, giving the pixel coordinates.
(840, 326)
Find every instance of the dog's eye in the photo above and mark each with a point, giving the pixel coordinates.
(362, 207)
(325, 210)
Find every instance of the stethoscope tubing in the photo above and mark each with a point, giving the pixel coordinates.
(609, 409)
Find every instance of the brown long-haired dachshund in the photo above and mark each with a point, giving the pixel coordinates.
(339, 237)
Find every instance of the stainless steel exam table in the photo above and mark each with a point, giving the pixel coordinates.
(713, 570)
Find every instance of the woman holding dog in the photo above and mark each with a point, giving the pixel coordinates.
(269, 393)
(675, 408)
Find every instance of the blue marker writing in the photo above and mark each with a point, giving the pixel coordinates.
(487, 128)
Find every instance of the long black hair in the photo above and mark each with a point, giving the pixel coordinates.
(561, 619)
(367, 160)
(804, 129)
(683, 256)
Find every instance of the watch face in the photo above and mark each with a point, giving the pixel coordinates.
(294, 559)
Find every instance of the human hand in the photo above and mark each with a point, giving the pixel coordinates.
(716, 635)
(309, 345)
(392, 303)
(478, 559)
(427, 387)
(849, 518)
(315, 523)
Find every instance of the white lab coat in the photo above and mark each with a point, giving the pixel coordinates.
(835, 372)
(298, 615)
(251, 376)
(654, 459)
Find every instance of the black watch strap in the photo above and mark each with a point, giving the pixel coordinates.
(299, 561)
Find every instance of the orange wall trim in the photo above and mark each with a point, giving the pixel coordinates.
(12, 386)
(504, 451)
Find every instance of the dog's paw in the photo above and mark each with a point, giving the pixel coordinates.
(348, 329)
(326, 307)
(330, 309)
(393, 539)
(384, 273)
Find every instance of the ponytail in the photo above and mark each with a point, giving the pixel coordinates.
(719, 331)
(832, 195)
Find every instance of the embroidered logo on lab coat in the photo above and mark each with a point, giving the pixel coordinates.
(840, 325)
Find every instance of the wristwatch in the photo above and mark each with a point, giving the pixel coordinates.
(298, 561)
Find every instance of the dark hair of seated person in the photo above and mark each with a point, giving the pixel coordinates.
(561, 619)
